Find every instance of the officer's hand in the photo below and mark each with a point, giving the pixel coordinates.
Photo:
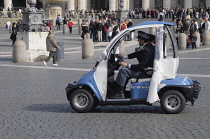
(123, 64)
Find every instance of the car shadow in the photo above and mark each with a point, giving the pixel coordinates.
(65, 108)
(129, 109)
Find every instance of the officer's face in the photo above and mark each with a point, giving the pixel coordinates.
(141, 42)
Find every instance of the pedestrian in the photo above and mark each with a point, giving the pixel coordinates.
(106, 31)
(14, 33)
(58, 22)
(7, 25)
(65, 21)
(70, 25)
(93, 30)
(99, 28)
(85, 29)
(193, 39)
(207, 23)
(49, 24)
(110, 32)
(193, 27)
(186, 26)
(124, 25)
(130, 23)
(51, 47)
(116, 29)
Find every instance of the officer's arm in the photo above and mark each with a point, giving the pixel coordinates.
(134, 54)
(143, 60)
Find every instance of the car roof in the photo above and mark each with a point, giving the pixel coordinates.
(153, 23)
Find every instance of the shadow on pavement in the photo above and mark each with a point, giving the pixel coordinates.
(66, 108)
(129, 109)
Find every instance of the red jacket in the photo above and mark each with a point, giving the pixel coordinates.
(49, 24)
(105, 27)
(70, 24)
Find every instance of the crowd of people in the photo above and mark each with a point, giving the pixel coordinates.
(105, 29)
(190, 24)
(105, 26)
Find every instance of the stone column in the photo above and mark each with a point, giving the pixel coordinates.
(71, 5)
(131, 4)
(166, 4)
(187, 4)
(88, 5)
(7, 3)
(145, 4)
(112, 5)
(126, 3)
(207, 3)
(152, 4)
(82, 4)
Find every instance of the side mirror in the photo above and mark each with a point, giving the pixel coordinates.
(102, 56)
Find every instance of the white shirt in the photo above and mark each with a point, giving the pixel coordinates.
(207, 25)
(8, 23)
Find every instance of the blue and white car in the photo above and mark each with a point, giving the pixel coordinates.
(163, 84)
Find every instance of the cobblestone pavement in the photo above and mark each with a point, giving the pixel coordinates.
(33, 102)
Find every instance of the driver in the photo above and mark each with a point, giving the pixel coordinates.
(145, 58)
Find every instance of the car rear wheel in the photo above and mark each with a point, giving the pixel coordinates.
(173, 102)
(81, 100)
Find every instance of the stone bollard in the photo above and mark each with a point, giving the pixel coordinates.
(198, 41)
(79, 26)
(65, 29)
(206, 38)
(87, 48)
(19, 52)
(53, 22)
(182, 41)
(152, 30)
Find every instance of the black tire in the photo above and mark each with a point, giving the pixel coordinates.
(81, 100)
(173, 102)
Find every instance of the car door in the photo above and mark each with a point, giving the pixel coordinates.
(166, 60)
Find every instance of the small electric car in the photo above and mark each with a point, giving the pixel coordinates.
(158, 83)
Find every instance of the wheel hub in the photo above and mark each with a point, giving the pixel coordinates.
(81, 100)
(173, 102)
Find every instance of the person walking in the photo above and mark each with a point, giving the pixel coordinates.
(49, 24)
(14, 33)
(70, 25)
(51, 47)
(58, 22)
(7, 25)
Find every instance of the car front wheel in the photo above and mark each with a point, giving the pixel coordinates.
(173, 102)
(81, 100)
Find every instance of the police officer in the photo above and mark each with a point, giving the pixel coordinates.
(145, 58)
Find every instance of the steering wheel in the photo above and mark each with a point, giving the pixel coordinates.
(119, 59)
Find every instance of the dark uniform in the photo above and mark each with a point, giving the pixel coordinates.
(145, 58)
